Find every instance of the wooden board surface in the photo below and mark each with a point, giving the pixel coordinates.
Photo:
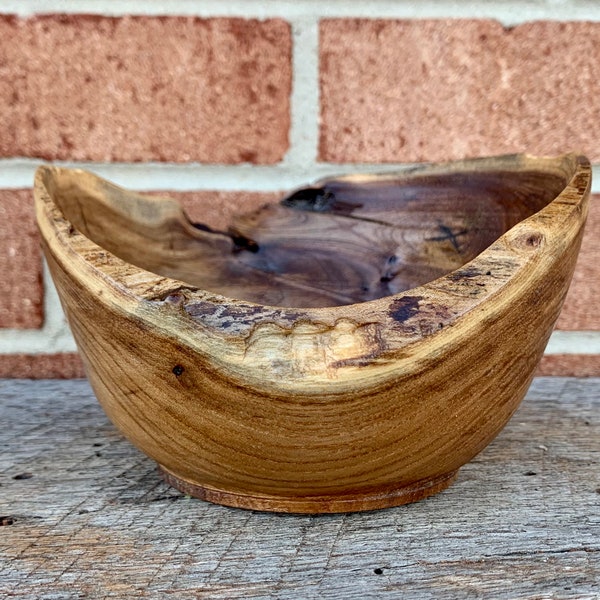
(85, 515)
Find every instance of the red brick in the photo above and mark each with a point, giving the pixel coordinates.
(41, 366)
(143, 88)
(580, 311)
(21, 300)
(570, 365)
(443, 89)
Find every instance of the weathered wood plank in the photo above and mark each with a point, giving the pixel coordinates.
(94, 519)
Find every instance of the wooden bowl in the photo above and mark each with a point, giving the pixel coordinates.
(348, 349)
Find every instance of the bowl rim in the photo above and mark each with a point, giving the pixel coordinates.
(169, 303)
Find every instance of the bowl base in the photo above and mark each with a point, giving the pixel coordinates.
(338, 503)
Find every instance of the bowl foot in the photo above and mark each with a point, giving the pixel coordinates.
(338, 503)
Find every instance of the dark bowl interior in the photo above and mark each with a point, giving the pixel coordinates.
(345, 241)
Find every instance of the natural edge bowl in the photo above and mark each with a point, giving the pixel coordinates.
(308, 410)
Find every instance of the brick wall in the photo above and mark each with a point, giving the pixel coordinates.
(226, 103)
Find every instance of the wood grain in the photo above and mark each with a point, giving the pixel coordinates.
(327, 408)
(341, 241)
(95, 521)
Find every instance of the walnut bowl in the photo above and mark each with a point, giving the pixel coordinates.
(347, 349)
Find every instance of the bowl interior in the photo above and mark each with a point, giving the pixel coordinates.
(344, 241)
